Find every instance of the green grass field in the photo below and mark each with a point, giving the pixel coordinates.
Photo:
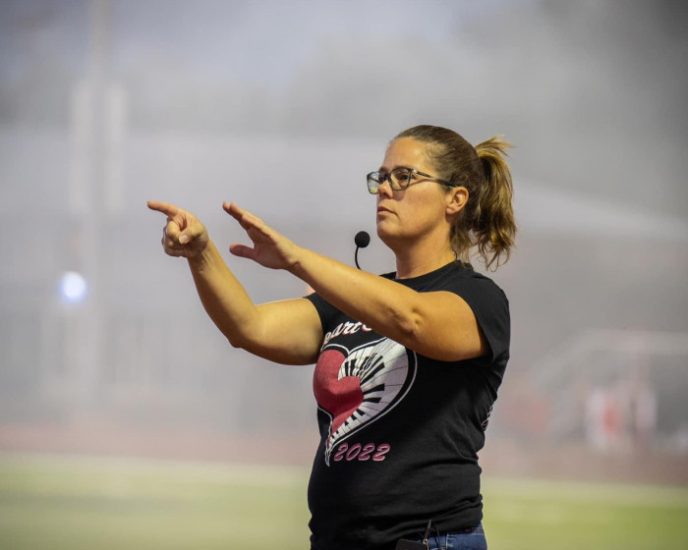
(64, 502)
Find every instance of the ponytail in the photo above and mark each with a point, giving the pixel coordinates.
(495, 227)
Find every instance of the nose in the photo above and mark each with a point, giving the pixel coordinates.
(384, 188)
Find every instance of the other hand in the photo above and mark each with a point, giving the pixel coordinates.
(270, 248)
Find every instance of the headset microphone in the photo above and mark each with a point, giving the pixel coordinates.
(362, 240)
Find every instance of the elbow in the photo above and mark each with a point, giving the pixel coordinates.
(243, 334)
(236, 340)
(235, 343)
(245, 337)
(409, 324)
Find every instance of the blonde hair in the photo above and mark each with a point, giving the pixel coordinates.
(487, 221)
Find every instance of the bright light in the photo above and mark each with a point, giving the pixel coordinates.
(73, 288)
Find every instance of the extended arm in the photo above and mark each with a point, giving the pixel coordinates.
(286, 332)
(439, 324)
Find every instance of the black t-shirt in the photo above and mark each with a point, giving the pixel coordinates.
(400, 432)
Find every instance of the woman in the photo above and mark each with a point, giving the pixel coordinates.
(408, 363)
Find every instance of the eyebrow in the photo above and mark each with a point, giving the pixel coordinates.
(383, 169)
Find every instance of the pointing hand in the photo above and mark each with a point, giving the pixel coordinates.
(183, 234)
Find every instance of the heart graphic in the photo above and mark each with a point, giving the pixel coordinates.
(359, 386)
(338, 396)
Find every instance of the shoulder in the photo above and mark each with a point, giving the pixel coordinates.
(484, 296)
(326, 311)
(462, 277)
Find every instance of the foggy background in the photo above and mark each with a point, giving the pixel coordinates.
(284, 107)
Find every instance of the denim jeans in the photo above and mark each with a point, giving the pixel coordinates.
(468, 539)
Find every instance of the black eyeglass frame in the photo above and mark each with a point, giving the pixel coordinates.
(379, 177)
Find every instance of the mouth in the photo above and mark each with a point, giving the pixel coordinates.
(381, 209)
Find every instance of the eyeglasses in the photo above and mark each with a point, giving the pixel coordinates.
(399, 179)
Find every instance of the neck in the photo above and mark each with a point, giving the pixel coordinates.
(421, 258)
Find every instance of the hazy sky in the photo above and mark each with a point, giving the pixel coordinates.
(591, 92)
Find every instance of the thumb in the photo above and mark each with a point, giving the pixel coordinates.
(242, 251)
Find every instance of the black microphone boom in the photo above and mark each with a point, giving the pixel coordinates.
(362, 239)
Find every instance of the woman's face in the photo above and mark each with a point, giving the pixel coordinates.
(420, 210)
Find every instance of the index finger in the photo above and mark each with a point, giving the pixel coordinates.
(233, 209)
(240, 214)
(244, 217)
(165, 207)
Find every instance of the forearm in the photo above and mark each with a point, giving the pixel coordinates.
(222, 295)
(385, 306)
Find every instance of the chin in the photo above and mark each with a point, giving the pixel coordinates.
(386, 236)
(381, 230)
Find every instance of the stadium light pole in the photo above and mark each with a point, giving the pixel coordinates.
(96, 115)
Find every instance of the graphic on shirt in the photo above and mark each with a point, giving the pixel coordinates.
(357, 387)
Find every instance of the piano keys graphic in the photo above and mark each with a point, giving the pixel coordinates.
(385, 377)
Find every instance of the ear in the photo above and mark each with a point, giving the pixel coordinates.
(456, 199)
